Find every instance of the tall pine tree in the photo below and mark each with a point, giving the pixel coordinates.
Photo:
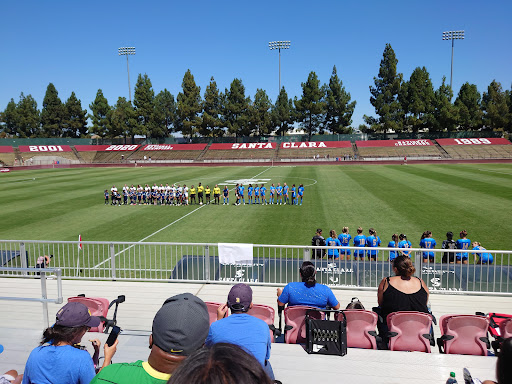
(101, 115)
(123, 119)
(416, 99)
(495, 107)
(165, 113)
(283, 113)
(9, 118)
(52, 113)
(189, 106)
(28, 120)
(260, 118)
(311, 107)
(74, 122)
(144, 102)
(468, 107)
(236, 109)
(211, 122)
(338, 107)
(445, 113)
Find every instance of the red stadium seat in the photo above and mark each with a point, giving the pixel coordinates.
(295, 323)
(463, 334)
(361, 326)
(506, 328)
(212, 310)
(265, 313)
(98, 306)
(409, 331)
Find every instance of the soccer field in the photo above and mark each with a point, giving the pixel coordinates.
(60, 204)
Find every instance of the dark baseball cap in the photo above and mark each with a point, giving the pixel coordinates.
(180, 327)
(319, 230)
(75, 314)
(240, 297)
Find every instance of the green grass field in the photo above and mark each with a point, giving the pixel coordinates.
(60, 204)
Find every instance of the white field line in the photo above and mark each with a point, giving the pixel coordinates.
(167, 226)
(489, 170)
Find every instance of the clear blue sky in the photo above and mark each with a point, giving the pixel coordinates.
(73, 44)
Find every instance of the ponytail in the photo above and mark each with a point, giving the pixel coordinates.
(307, 273)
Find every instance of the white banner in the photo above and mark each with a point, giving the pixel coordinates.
(230, 253)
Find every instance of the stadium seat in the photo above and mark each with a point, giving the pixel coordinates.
(295, 323)
(361, 326)
(267, 314)
(409, 331)
(98, 306)
(212, 310)
(506, 328)
(463, 334)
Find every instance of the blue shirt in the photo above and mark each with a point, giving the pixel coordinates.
(484, 257)
(372, 242)
(279, 190)
(332, 242)
(344, 239)
(293, 192)
(301, 191)
(405, 244)
(272, 189)
(285, 189)
(359, 241)
(318, 296)
(428, 243)
(226, 191)
(249, 191)
(241, 190)
(263, 190)
(392, 254)
(58, 365)
(256, 191)
(462, 244)
(244, 330)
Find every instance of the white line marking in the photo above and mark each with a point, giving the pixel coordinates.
(488, 170)
(161, 229)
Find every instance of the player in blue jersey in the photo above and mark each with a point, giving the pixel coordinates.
(294, 195)
(429, 243)
(241, 190)
(263, 192)
(272, 193)
(344, 238)
(256, 194)
(359, 241)
(372, 241)
(285, 194)
(279, 194)
(301, 193)
(332, 241)
(462, 243)
(404, 244)
(225, 194)
(249, 193)
(482, 257)
(393, 244)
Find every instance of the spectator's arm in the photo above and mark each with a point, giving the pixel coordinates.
(221, 311)
(109, 352)
(380, 291)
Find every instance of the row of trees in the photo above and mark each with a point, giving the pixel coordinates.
(414, 105)
(409, 106)
(322, 108)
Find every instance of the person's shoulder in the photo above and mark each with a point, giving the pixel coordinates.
(116, 369)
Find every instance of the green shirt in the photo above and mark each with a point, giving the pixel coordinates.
(125, 373)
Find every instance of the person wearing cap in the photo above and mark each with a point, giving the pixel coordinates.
(240, 328)
(179, 328)
(57, 360)
(318, 240)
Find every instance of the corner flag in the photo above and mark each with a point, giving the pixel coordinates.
(80, 242)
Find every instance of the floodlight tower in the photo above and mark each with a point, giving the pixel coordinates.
(126, 51)
(453, 35)
(279, 45)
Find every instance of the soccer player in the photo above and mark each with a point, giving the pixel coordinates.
(113, 194)
(462, 243)
(331, 241)
(294, 195)
(237, 194)
(344, 238)
(359, 241)
(249, 193)
(372, 241)
(272, 193)
(393, 244)
(185, 194)
(208, 193)
(484, 257)
(263, 191)
(192, 195)
(285, 194)
(241, 190)
(106, 196)
(216, 195)
(429, 243)
(404, 244)
(125, 196)
(301, 193)
(225, 193)
(256, 194)
(279, 194)
(200, 190)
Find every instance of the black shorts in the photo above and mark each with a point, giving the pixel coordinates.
(200, 194)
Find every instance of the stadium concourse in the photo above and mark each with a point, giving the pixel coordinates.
(21, 327)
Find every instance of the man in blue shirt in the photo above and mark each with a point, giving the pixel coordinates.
(242, 329)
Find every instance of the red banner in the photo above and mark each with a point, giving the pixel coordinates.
(474, 141)
(103, 148)
(174, 147)
(316, 144)
(394, 143)
(6, 149)
(44, 148)
(243, 146)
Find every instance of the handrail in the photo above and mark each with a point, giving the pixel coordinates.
(39, 273)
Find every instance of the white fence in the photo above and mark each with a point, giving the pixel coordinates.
(271, 265)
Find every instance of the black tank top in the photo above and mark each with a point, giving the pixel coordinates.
(394, 300)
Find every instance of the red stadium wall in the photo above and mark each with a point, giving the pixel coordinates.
(316, 144)
(490, 141)
(44, 148)
(393, 143)
(174, 147)
(243, 146)
(104, 148)
(6, 149)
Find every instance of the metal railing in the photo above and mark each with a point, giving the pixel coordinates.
(271, 264)
(36, 273)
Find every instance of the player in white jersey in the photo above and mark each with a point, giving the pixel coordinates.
(173, 194)
(185, 194)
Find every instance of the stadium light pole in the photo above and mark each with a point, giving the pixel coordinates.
(453, 35)
(279, 45)
(126, 51)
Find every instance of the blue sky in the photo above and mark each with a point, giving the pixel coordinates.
(74, 44)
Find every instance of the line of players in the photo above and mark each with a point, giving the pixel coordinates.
(279, 195)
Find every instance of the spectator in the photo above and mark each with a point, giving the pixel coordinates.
(180, 328)
(503, 367)
(57, 360)
(308, 292)
(11, 377)
(242, 329)
(221, 364)
(318, 240)
(402, 292)
(449, 243)
(482, 257)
